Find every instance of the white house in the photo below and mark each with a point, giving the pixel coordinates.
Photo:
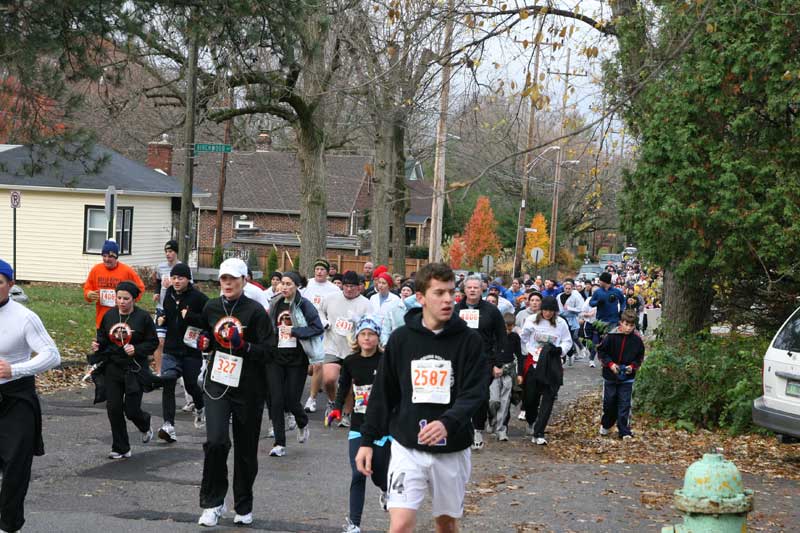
(61, 222)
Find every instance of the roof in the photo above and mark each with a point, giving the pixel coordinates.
(39, 166)
(421, 194)
(268, 181)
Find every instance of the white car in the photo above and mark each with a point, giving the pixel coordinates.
(779, 408)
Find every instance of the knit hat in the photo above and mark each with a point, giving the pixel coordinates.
(6, 270)
(350, 278)
(337, 277)
(110, 247)
(605, 277)
(384, 276)
(380, 269)
(275, 274)
(181, 269)
(549, 303)
(172, 244)
(294, 276)
(368, 322)
(129, 287)
(322, 263)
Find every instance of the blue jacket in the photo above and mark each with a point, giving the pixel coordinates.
(609, 303)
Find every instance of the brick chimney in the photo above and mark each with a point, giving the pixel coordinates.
(159, 155)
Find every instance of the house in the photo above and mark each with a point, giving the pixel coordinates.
(61, 222)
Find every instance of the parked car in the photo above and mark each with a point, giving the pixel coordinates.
(615, 259)
(779, 408)
(630, 253)
(589, 272)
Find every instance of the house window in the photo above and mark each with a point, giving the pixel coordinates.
(96, 226)
(411, 236)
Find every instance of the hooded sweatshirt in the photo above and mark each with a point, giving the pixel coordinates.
(620, 349)
(409, 355)
(491, 325)
(174, 303)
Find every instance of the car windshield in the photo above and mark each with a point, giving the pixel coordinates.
(788, 338)
(610, 257)
(591, 268)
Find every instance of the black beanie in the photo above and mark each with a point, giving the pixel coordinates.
(181, 269)
(129, 287)
(172, 244)
(549, 303)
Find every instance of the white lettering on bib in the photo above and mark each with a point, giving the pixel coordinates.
(285, 339)
(227, 369)
(471, 317)
(190, 337)
(431, 381)
(108, 297)
(343, 327)
(361, 398)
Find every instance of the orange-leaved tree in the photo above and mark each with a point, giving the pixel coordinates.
(479, 236)
(458, 249)
(537, 239)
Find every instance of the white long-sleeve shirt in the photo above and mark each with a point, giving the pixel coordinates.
(21, 333)
(536, 334)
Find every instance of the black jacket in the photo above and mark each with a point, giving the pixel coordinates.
(141, 329)
(391, 408)
(549, 370)
(619, 349)
(357, 373)
(313, 328)
(491, 326)
(193, 301)
(511, 351)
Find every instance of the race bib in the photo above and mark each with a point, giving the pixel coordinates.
(343, 327)
(470, 316)
(108, 297)
(227, 369)
(165, 281)
(317, 300)
(431, 380)
(361, 398)
(190, 337)
(285, 339)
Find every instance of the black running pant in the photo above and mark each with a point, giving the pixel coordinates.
(285, 389)
(17, 443)
(121, 404)
(172, 368)
(358, 482)
(538, 402)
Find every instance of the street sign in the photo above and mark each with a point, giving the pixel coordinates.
(110, 210)
(487, 263)
(216, 148)
(537, 254)
(16, 199)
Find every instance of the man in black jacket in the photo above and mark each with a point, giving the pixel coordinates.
(430, 382)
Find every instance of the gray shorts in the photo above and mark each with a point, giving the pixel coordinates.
(331, 358)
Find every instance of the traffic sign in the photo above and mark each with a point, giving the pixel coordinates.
(537, 254)
(16, 199)
(487, 263)
(216, 148)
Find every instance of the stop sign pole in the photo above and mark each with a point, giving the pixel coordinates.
(16, 200)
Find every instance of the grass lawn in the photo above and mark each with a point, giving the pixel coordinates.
(70, 319)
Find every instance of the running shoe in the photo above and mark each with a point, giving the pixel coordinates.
(277, 451)
(345, 421)
(627, 437)
(303, 434)
(147, 436)
(199, 418)
(117, 455)
(211, 516)
(350, 527)
(603, 431)
(591, 364)
(311, 405)
(477, 441)
(243, 518)
(521, 415)
(291, 423)
(502, 435)
(328, 410)
(540, 441)
(188, 408)
(167, 433)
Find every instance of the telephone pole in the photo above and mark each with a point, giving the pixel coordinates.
(184, 229)
(223, 173)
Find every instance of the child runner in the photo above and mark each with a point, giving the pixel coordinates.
(504, 369)
(358, 371)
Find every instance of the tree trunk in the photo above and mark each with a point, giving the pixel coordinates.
(381, 198)
(313, 191)
(401, 202)
(687, 304)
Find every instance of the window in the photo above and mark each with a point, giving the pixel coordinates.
(789, 337)
(411, 235)
(96, 226)
(243, 224)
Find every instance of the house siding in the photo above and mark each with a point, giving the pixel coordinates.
(50, 233)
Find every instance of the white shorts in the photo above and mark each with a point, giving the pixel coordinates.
(412, 471)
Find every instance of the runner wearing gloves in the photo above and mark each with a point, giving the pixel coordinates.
(431, 381)
(234, 384)
(125, 341)
(358, 375)
(339, 313)
(101, 283)
(183, 303)
(487, 319)
(21, 333)
(546, 337)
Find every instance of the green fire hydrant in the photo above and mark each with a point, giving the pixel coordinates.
(713, 498)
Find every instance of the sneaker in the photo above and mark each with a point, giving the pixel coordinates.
(477, 442)
(271, 432)
(243, 518)
(603, 431)
(384, 501)
(199, 418)
(350, 527)
(167, 433)
(117, 455)
(591, 364)
(188, 408)
(540, 441)
(302, 435)
(521, 415)
(328, 410)
(211, 516)
(291, 423)
(627, 437)
(311, 405)
(529, 431)
(345, 421)
(502, 435)
(147, 436)
(277, 451)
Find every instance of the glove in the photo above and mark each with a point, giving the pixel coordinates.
(335, 414)
(237, 342)
(203, 342)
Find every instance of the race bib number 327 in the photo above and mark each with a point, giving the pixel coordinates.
(227, 369)
(431, 381)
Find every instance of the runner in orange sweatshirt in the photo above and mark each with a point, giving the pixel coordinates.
(100, 285)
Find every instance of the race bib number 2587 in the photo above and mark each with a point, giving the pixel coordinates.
(431, 381)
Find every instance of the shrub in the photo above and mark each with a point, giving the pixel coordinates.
(707, 381)
(272, 262)
(217, 258)
(417, 252)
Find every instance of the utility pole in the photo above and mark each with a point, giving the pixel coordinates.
(437, 207)
(223, 173)
(184, 231)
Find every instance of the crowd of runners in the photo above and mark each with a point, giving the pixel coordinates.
(419, 370)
